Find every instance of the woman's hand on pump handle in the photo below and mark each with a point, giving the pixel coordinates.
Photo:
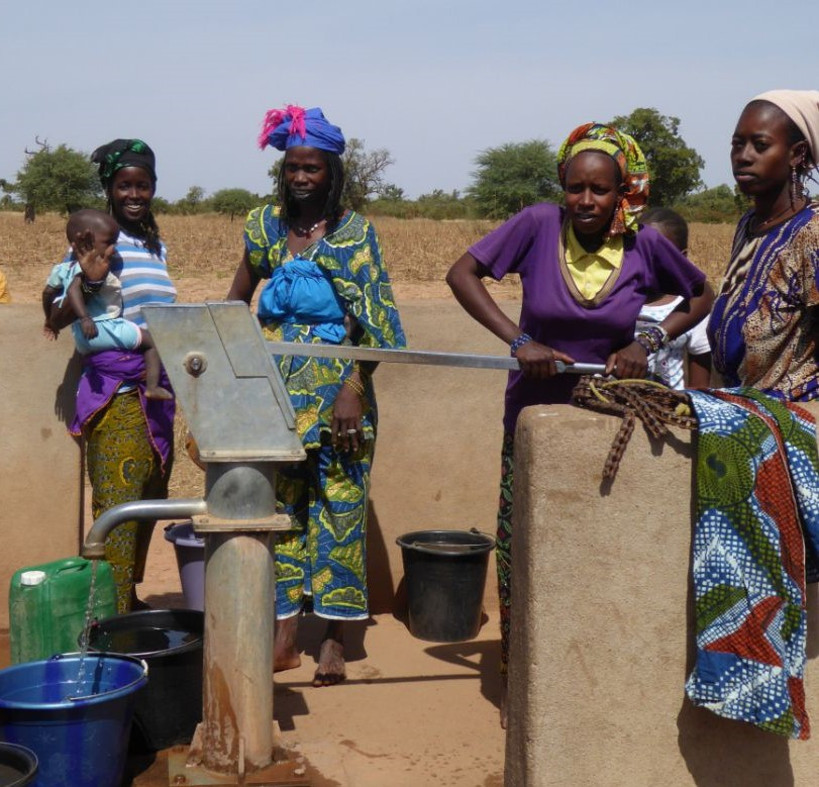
(631, 362)
(538, 361)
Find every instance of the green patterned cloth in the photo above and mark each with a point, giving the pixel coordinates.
(326, 496)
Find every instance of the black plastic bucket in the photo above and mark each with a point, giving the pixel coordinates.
(18, 765)
(445, 573)
(170, 641)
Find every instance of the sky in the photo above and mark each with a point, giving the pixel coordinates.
(435, 82)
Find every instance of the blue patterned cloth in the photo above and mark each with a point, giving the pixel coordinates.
(757, 513)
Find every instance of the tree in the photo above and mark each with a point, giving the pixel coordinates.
(674, 168)
(159, 205)
(391, 193)
(512, 176)
(62, 180)
(712, 206)
(233, 202)
(192, 201)
(363, 172)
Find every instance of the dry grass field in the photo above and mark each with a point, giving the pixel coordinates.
(204, 251)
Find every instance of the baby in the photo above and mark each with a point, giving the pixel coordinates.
(685, 362)
(98, 304)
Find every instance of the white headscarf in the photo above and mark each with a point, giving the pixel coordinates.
(802, 107)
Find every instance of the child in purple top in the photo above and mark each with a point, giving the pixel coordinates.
(555, 250)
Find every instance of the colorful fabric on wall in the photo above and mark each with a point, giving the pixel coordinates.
(757, 512)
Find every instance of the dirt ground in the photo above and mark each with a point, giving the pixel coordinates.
(410, 714)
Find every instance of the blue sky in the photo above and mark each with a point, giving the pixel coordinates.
(433, 81)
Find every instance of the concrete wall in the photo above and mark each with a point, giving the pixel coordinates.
(40, 464)
(602, 637)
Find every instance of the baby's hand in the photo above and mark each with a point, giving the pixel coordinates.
(50, 333)
(89, 328)
(94, 265)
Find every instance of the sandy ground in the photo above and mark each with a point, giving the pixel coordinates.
(410, 714)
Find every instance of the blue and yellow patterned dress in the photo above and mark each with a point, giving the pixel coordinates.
(306, 300)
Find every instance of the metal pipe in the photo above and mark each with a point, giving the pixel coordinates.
(144, 510)
(237, 692)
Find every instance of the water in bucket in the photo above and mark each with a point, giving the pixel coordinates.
(171, 643)
(49, 603)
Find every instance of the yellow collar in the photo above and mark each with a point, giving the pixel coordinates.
(590, 270)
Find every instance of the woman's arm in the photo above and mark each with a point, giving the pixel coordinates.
(632, 361)
(465, 279)
(245, 281)
(62, 315)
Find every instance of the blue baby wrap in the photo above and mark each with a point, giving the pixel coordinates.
(299, 291)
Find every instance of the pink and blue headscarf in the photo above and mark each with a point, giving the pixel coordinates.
(295, 126)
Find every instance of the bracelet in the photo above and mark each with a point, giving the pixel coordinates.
(90, 287)
(355, 385)
(518, 343)
(652, 338)
(362, 373)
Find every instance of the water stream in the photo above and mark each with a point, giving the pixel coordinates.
(86, 629)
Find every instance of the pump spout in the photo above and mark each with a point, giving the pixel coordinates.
(144, 510)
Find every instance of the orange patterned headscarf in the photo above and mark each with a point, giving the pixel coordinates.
(626, 153)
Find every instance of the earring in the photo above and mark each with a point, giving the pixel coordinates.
(797, 189)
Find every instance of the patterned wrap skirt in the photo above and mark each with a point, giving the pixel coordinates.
(122, 468)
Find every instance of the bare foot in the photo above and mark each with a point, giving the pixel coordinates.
(158, 393)
(331, 667)
(504, 718)
(285, 654)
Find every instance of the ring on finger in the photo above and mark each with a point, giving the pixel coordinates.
(352, 431)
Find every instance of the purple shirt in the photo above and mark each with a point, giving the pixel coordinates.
(529, 244)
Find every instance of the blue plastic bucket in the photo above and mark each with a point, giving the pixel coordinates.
(78, 730)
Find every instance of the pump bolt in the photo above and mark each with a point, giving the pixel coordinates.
(195, 364)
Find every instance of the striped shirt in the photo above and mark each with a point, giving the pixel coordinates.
(144, 276)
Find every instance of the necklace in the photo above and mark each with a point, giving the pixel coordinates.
(306, 233)
(760, 225)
